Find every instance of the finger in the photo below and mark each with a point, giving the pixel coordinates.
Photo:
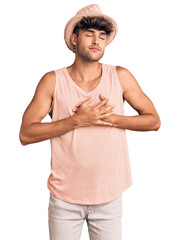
(106, 109)
(105, 105)
(107, 115)
(102, 123)
(86, 101)
(101, 96)
(100, 104)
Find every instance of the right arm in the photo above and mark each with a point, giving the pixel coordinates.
(32, 130)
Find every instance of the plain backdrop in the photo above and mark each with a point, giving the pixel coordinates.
(31, 44)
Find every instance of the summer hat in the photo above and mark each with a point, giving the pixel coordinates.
(92, 10)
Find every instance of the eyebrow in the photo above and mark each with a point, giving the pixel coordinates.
(89, 30)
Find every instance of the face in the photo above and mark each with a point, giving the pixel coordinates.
(86, 41)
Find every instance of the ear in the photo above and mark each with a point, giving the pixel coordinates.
(73, 39)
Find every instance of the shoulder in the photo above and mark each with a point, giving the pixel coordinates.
(49, 76)
(126, 78)
(48, 81)
(46, 85)
(122, 71)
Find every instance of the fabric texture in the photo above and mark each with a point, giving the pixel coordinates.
(89, 165)
(66, 220)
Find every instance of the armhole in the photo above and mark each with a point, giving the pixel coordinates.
(54, 93)
(121, 91)
(115, 70)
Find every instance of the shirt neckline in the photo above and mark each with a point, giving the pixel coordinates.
(79, 88)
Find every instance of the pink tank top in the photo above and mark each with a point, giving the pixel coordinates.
(89, 165)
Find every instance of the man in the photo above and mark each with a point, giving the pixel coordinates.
(89, 154)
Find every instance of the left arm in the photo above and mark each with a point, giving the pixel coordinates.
(148, 118)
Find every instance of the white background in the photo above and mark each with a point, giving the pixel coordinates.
(32, 43)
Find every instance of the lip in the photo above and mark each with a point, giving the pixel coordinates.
(95, 49)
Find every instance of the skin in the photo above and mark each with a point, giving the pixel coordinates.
(86, 72)
(85, 68)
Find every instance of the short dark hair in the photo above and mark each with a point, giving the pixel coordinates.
(99, 23)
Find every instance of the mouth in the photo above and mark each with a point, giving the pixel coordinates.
(95, 49)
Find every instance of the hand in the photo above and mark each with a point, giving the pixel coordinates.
(91, 115)
(109, 119)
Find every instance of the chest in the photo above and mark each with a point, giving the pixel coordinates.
(88, 86)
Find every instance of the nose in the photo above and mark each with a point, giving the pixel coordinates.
(95, 40)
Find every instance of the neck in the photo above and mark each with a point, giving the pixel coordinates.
(85, 71)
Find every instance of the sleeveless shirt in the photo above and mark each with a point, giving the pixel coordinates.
(89, 165)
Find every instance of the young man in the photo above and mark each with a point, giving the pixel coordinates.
(89, 153)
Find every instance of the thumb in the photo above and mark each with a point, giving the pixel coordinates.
(88, 100)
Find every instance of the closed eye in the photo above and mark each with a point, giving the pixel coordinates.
(91, 36)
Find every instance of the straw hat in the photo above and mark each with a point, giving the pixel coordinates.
(92, 10)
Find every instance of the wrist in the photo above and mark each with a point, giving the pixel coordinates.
(76, 121)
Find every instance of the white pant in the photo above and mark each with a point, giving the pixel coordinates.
(66, 220)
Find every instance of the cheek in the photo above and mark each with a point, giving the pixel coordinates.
(104, 44)
(85, 43)
(88, 42)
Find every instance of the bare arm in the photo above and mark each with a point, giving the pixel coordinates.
(148, 118)
(32, 130)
